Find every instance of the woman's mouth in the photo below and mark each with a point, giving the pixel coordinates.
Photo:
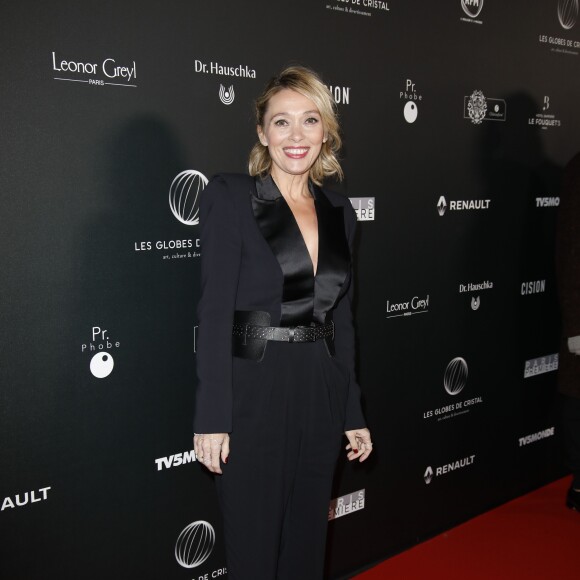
(296, 152)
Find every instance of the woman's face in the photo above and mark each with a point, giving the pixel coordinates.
(292, 131)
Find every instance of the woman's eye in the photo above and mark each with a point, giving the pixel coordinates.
(312, 120)
(280, 122)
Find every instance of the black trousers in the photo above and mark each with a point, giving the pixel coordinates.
(287, 434)
(570, 424)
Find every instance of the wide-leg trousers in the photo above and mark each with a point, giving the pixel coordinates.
(275, 490)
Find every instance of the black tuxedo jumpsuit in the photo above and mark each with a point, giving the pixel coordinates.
(287, 411)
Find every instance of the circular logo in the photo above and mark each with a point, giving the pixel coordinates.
(455, 376)
(472, 7)
(567, 13)
(410, 111)
(102, 365)
(184, 195)
(194, 544)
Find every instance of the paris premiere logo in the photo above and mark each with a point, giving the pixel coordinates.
(184, 196)
(195, 544)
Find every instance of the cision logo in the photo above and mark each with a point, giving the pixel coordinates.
(541, 365)
(478, 108)
(454, 381)
(411, 97)
(364, 208)
(545, 119)
(472, 9)
(567, 16)
(195, 544)
(358, 7)
(346, 504)
(533, 287)
(416, 305)
(100, 346)
(460, 205)
(25, 498)
(108, 71)
(431, 473)
(341, 95)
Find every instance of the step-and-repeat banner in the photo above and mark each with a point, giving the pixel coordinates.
(458, 118)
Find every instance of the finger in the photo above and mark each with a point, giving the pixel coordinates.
(197, 446)
(226, 449)
(353, 446)
(366, 448)
(206, 452)
(215, 456)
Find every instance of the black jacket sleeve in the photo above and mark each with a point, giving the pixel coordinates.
(221, 244)
(344, 342)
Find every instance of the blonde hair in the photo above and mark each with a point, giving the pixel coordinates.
(307, 83)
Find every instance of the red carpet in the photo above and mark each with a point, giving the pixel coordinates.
(532, 537)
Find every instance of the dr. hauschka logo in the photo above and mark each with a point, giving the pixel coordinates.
(475, 302)
(455, 376)
(364, 208)
(534, 437)
(341, 95)
(472, 9)
(22, 499)
(567, 13)
(411, 97)
(533, 287)
(461, 205)
(346, 504)
(429, 474)
(227, 96)
(416, 305)
(194, 544)
(78, 71)
(544, 119)
(541, 365)
(101, 344)
(175, 460)
(478, 108)
(215, 68)
(184, 196)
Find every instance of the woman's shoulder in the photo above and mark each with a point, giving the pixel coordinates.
(232, 179)
(339, 200)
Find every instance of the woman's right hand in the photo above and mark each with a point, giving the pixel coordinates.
(209, 447)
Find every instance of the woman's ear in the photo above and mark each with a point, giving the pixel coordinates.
(261, 136)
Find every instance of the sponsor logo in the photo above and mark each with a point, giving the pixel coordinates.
(567, 13)
(346, 504)
(357, 7)
(430, 474)
(479, 108)
(533, 287)
(227, 96)
(105, 72)
(455, 376)
(28, 497)
(184, 196)
(194, 544)
(411, 96)
(102, 362)
(472, 8)
(541, 365)
(475, 302)
(461, 205)
(341, 95)
(534, 437)
(454, 381)
(215, 68)
(416, 305)
(364, 208)
(175, 460)
(547, 201)
(545, 120)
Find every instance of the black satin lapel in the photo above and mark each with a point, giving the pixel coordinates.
(279, 228)
(333, 255)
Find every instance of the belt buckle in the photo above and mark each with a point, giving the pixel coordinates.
(291, 330)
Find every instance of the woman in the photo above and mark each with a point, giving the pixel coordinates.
(275, 358)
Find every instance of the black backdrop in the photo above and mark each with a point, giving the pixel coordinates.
(104, 104)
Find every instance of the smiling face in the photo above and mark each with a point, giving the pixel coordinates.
(293, 132)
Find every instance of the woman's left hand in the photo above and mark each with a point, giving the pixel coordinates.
(359, 443)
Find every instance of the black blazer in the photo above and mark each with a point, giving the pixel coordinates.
(254, 258)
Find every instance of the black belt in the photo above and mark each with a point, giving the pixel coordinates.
(283, 333)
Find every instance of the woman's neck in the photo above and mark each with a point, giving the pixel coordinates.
(291, 186)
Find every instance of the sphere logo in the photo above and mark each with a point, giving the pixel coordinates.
(455, 376)
(410, 111)
(184, 196)
(567, 13)
(227, 96)
(472, 8)
(195, 544)
(102, 365)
